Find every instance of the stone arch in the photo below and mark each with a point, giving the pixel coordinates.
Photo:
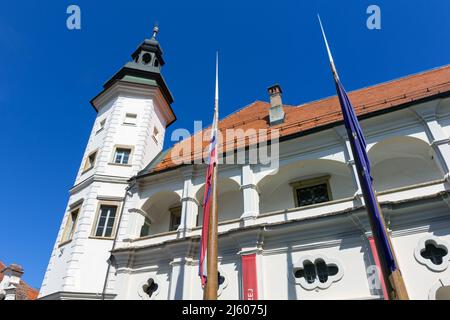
(276, 192)
(158, 209)
(402, 161)
(230, 200)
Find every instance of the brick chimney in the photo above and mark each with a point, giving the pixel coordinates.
(276, 112)
(10, 282)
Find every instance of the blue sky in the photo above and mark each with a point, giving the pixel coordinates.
(49, 74)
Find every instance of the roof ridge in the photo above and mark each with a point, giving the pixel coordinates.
(376, 85)
(409, 76)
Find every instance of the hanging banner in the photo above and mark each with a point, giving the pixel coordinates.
(376, 259)
(249, 275)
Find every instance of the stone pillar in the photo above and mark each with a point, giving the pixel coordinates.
(440, 142)
(342, 135)
(181, 276)
(189, 205)
(250, 194)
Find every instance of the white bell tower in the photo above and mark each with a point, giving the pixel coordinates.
(133, 112)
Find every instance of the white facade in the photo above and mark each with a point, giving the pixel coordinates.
(79, 263)
(410, 155)
(414, 200)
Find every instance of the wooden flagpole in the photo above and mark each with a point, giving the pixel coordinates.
(212, 285)
(394, 281)
(395, 284)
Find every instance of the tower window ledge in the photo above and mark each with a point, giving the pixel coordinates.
(100, 238)
(119, 164)
(129, 124)
(64, 243)
(87, 170)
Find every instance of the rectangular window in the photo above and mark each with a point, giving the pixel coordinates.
(106, 221)
(122, 156)
(313, 191)
(90, 161)
(101, 125)
(70, 226)
(175, 218)
(145, 230)
(130, 118)
(155, 134)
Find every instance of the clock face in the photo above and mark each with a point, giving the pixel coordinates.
(146, 58)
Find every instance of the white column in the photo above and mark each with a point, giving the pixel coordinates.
(181, 275)
(350, 161)
(440, 142)
(250, 194)
(189, 205)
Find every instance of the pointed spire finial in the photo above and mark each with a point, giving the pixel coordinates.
(155, 30)
(333, 67)
(217, 76)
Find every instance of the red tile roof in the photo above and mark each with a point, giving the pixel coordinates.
(312, 115)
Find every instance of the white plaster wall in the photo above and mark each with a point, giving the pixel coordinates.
(137, 279)
(279, 284)
(71, 266)
(418, 278)
(57, 268)
(96, 140)
(402, 172)
(230, 206)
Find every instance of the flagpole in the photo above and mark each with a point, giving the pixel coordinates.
(211, 287)
(395, 284)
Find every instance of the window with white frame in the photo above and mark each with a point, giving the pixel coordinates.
(70, 226)
(122, 155)
(106, 221)
(130, 118)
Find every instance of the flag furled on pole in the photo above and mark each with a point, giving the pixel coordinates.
(389, 267)
(362, 162)
(209, 185)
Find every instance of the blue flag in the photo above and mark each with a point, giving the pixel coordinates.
(358, 144)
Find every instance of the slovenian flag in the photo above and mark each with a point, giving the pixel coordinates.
(208, 194)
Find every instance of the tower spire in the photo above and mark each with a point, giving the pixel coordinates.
(155, 30)
(217, 82)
